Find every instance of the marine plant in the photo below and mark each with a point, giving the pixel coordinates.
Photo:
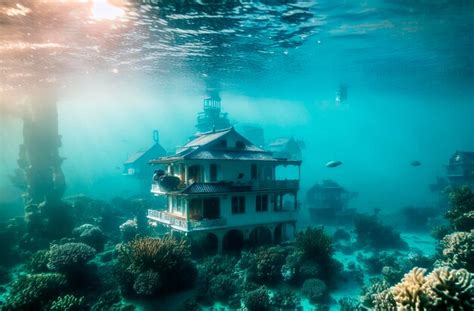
(68, 303)
(461, 212)
(373, 234)
(166, 259)
(35, 291)
(315, 244)
(457, 250)
(257, 300)
(350, 304)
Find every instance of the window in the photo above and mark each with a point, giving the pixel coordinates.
(261, 203)
(238, 205)
(253, 171)
(213, 172)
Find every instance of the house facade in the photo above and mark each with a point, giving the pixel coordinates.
(225, 190)
(460, 170)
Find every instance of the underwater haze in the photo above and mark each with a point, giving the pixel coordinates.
(384, 87)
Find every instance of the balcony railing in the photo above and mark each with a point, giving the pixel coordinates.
(184, 224)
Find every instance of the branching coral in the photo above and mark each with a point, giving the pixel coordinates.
(408, 294)
(442, 289)
(458, 250)
(68, 303)
(147, 283)
(447, 289)
(69, 257)
(285, 299)
(168, 257)
(371, 294)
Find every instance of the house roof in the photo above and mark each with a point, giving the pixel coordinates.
(155, 148)
(201, 148)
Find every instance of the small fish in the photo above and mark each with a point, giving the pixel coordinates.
(333, 163)
(415, 163)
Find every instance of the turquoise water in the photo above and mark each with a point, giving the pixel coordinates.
(373, 84)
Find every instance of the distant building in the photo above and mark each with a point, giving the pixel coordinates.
(327, 202)
(222, 188)
(137, 164)
(460, 170)
(286, 147)
(212, 117)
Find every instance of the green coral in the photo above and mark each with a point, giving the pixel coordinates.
(68, 303)
(35, 291)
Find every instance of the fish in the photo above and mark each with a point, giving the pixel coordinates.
(333, 164)
(415, 163)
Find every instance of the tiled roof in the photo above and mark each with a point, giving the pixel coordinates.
(157, 149)
(230, 155)
(197, 188)
(205, 138)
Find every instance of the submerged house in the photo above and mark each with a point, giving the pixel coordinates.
(286, 147)
(137, 164)
(460, 170)
(328, 201)
(223, 189)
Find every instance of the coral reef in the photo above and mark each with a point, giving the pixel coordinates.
(265, 265)
(68, 303)
(442, 289)
(408, 294)
(218, 280)
(315, 290)
(315, 244)
(285, 299)
(129, 230)
(69, 257)
(461, 213)
(90, 235)
(257, 300)
(350, 304)
(371, 293)
(457, 250)
(167, 258)
(371, 233)
(35, 291)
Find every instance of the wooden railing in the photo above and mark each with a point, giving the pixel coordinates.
(181, 223)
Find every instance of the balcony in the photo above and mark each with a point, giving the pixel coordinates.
(180, 223)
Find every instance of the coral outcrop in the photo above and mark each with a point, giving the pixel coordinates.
(35, 291)
(69, 257)
(457, 250)
(149, 266)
